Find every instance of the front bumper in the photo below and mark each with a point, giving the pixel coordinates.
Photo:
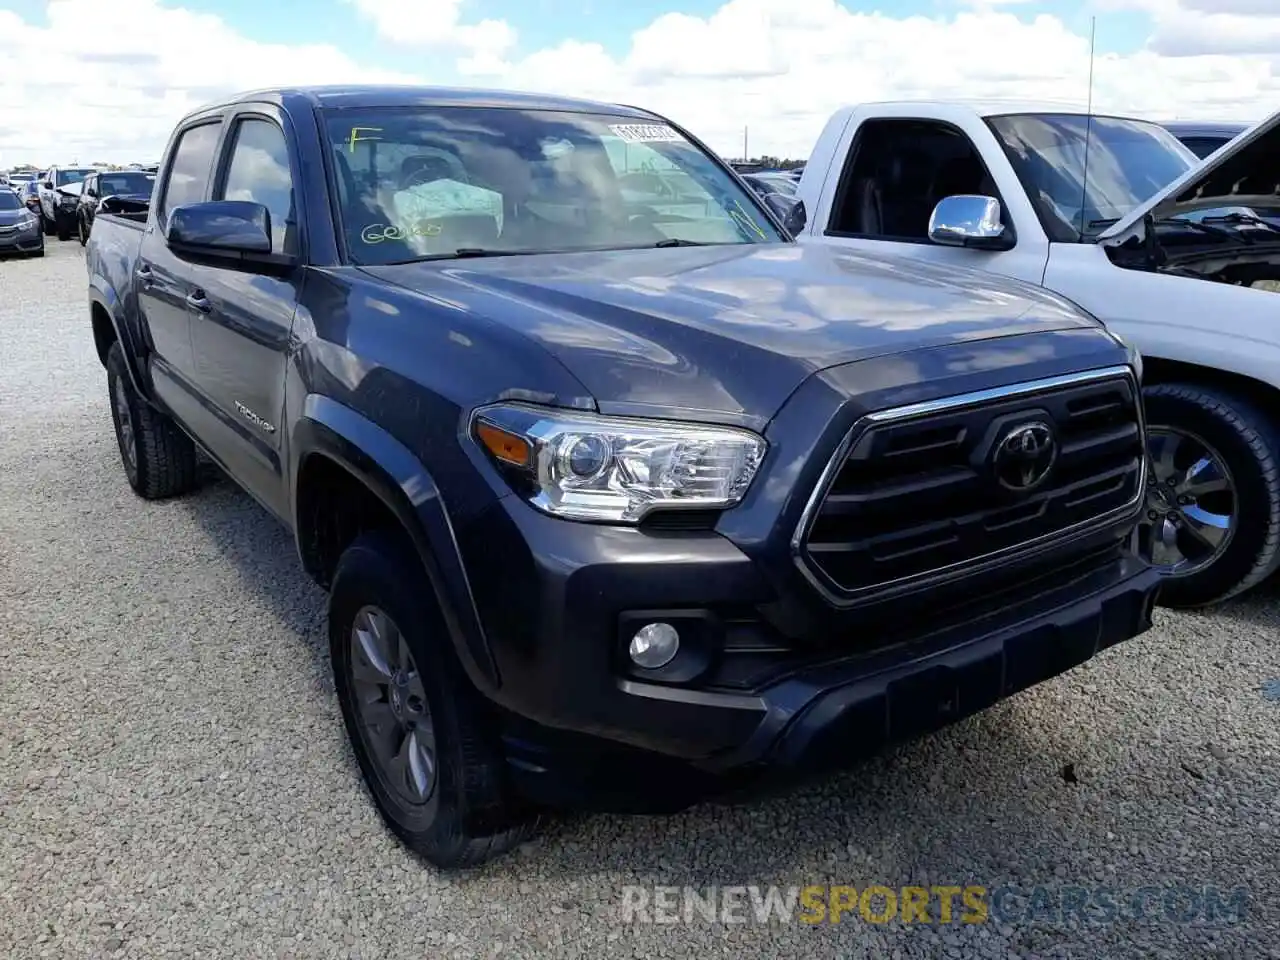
(585, 728)
(21, 241)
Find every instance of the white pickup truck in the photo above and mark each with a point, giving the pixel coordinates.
(1176, 255)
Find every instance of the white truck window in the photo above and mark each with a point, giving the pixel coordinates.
(897, 172)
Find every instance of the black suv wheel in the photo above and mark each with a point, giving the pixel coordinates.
(1213, 493)
(159, 459)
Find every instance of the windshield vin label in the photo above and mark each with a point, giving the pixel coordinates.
(646, 133)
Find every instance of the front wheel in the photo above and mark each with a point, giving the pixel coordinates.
(83, 231)
(62, 227)
(1212, 522)
(421, 734)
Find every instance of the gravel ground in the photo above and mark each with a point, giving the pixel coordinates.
(174, 779)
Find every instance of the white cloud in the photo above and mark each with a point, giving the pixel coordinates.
(776, 66)
(438, 24)
(781, 66)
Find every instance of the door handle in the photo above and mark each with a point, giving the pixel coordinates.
(198, 301)
(145, 274)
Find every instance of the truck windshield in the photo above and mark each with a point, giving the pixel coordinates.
(1129, 161)
(416, 183)
(71, 176)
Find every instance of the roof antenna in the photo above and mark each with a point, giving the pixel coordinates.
(1088, 127)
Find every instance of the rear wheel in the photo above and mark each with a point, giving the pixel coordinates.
(48, 224)
(82, 230)
(159, 459)
(63, 228)
(1213, 493)
(421, 734)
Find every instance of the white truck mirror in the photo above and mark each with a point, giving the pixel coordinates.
(968, 220)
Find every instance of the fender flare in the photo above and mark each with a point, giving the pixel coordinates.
(391, 472)
(102, 294)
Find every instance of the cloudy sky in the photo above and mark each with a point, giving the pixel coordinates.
(104, 80)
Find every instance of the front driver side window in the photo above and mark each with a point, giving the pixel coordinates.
(259, 173)
(897, 172)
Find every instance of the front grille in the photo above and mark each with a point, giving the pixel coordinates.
(914, 493)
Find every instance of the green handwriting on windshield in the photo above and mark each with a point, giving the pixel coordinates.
(744, 219)
(356, 136)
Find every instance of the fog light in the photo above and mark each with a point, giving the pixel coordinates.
(654, 645)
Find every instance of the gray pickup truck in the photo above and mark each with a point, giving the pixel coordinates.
(622, 497)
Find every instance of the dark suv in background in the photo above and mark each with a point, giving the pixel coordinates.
(117, 191)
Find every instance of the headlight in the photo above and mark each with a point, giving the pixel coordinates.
(616, 470)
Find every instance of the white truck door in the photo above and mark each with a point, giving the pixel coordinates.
(890, 174)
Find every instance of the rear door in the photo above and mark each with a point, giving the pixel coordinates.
(163, 281)
(895, 172)
(241, 320)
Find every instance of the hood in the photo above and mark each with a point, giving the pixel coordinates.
(9, 217)
(729, 328)
(1243, 173)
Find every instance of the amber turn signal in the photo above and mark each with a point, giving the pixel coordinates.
(505, 447)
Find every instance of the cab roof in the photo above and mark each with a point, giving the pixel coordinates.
(388, 95)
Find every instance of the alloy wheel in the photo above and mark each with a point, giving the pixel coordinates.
(1191, 502)
(124, 422)
(393, 714)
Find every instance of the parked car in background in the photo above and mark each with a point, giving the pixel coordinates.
(1203, 139)
(619, 501)
(772, 183)
(58, 205)
(19, 227)
(117, 191)
(29, 194)
(1178, 255)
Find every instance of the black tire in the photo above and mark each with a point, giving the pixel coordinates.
(159, 459)
(40, 252)
(469, 816)
(82, 231)
(1248, 443)
(63, 228)
(49, 225)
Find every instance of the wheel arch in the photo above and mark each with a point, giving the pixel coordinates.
(1263, 395)
(350, 470)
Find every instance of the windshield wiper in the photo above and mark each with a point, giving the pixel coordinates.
(1242, 218)
(463, 253)
(1203, 227)
(678, 242)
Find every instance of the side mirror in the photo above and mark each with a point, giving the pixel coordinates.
(47, 184)
(796, 218)
(787, 209)
(230, 230)
(969, 220)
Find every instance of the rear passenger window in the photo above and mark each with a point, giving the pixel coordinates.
(192, 164)
(259, 173)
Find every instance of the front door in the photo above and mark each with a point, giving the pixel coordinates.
(241, 320)
(899, 170)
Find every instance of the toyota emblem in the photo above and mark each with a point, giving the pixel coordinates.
(1025, 456)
